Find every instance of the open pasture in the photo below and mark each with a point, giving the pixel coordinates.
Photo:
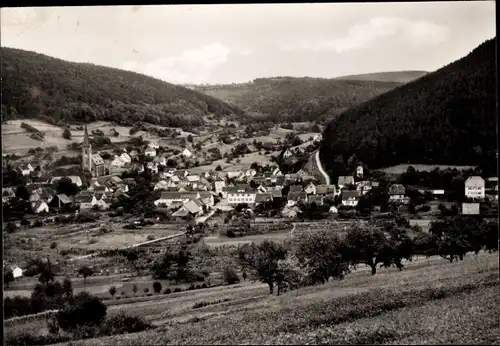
(405, 306)
(401, 168)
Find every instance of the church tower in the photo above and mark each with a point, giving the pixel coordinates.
(86, 152)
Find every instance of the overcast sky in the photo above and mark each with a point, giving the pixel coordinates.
(237, 43)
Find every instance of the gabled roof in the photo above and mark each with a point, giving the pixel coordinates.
(315, 199)
(192, 207)
(97, 159)
(84, 198)
(263, 197)
(276, 193)
(8, 192)
(38, 204)
(345, 180)
(324, 189)
(64, 199)
(475, 180)
(178, 195)
(349, 194)
(295, 196)
(296, 188)
(183, 211)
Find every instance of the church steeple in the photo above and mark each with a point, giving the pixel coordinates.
(86, 137)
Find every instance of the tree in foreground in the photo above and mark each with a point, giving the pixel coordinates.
(371, 245)
(84, 310)
(262, 260)
(320, 255)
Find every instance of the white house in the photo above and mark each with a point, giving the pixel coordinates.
(333, 210)
(219, 184)
(187, 153)
(154, 145)
(161, 185)
(16, 272)
(470, 208)
(26, 169)
(277, 172)
(117, 162)
(310, 188)
(364, 186)
(125, 158)
(397, 194)
(151, 152)
(40, 207)
(359, 171)
(317, 138)
(241, 194)
(344, 181)
(161, 160)
(351, 198)
(168, 197)
(475, 187)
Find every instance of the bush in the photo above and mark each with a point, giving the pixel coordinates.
(204, 285)
(157, 287)
(177, 289)
(146, 290)
(66, 133)
(230, 276)
(53, 245)
(167, 291)
(123, 324)
(151, 237)
(85, 309)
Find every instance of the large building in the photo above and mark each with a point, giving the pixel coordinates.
(475, 187)
(91, 162)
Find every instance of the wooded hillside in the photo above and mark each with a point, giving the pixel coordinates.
(283, 99)
(395, 76)
(39, 86)
(445, 117)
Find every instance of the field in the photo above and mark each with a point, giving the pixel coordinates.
(400, 169)
(431, 301)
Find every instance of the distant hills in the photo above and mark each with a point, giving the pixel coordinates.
(395, 76)
(282, 99)
(39, 86)
(445, 117)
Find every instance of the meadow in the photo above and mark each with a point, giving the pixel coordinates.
(430, 301)
(401, 168)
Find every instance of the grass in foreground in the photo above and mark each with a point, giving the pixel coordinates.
(437, 303)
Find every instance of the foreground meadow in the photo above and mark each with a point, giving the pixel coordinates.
(428, 302)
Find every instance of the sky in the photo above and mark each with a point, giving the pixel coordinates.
(237, 43)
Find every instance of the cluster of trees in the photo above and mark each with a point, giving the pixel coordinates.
(445, 117)
(296, 99)
(57, 91)
(315, 257)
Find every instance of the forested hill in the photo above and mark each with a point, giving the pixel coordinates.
(393, 76)
(39, 86)
(444, 117)
(283, 99)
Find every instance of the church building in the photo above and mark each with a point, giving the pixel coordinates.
(92, 162)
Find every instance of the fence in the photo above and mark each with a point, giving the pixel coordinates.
(28, 318)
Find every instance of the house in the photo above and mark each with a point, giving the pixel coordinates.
(207, 198)
(85, 201)
(333, 210)
(310, 189)
(290, 212)
(153, 145)
(45, 194)
(74, 179)
(470, 208)
(359, 171)
(277, 172)
(241, 193)
(187, 153)
(317, 138)
(263, 198)
(102, 201)
(126, 158)
(234, 174)
(150, 152)
(168, 197)
(26, 169)
(326, 190)
(302, 173)
(475, 187)
(160, 160)
(295, 188)
(316, 199)
(219, 184)
(17, 272)
(117, 162)
(250, 172)
(276, 193)
(133, 154)
(397, 194)
(161, 185)
(296, 197)
(153, 167)
(364, 186)
(7, 194)
(344, 181)
(98, 168)
(350, 197)
(193, 178)
(285, 154)
(40, 207)
(60, 201)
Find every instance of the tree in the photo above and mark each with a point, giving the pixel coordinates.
(84, 310)
(135, 289)
(46, 275)
(85, 272)
(157, 287)
(8, 276)
(190, 138)
(230, 276)
(370, 245)
(22, 192)
(218, 168)
(112, 291)
(66, 133)
(10, 227)
(262, 260)
(67, 288)
(132, 256)
(320, 254)
(67, 187)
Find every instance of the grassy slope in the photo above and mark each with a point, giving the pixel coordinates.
(297, 99)
(430, 302)
(445, 117)
(393, 76)
(35, 84)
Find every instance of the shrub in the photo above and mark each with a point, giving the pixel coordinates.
(197, 287)
(146, 290)
(177, 289)
(84, 309)
(167, 291)
(157, 287)
(191, 287)
(230, 276)
(204, 285)
(151, 237)
(123, 324)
